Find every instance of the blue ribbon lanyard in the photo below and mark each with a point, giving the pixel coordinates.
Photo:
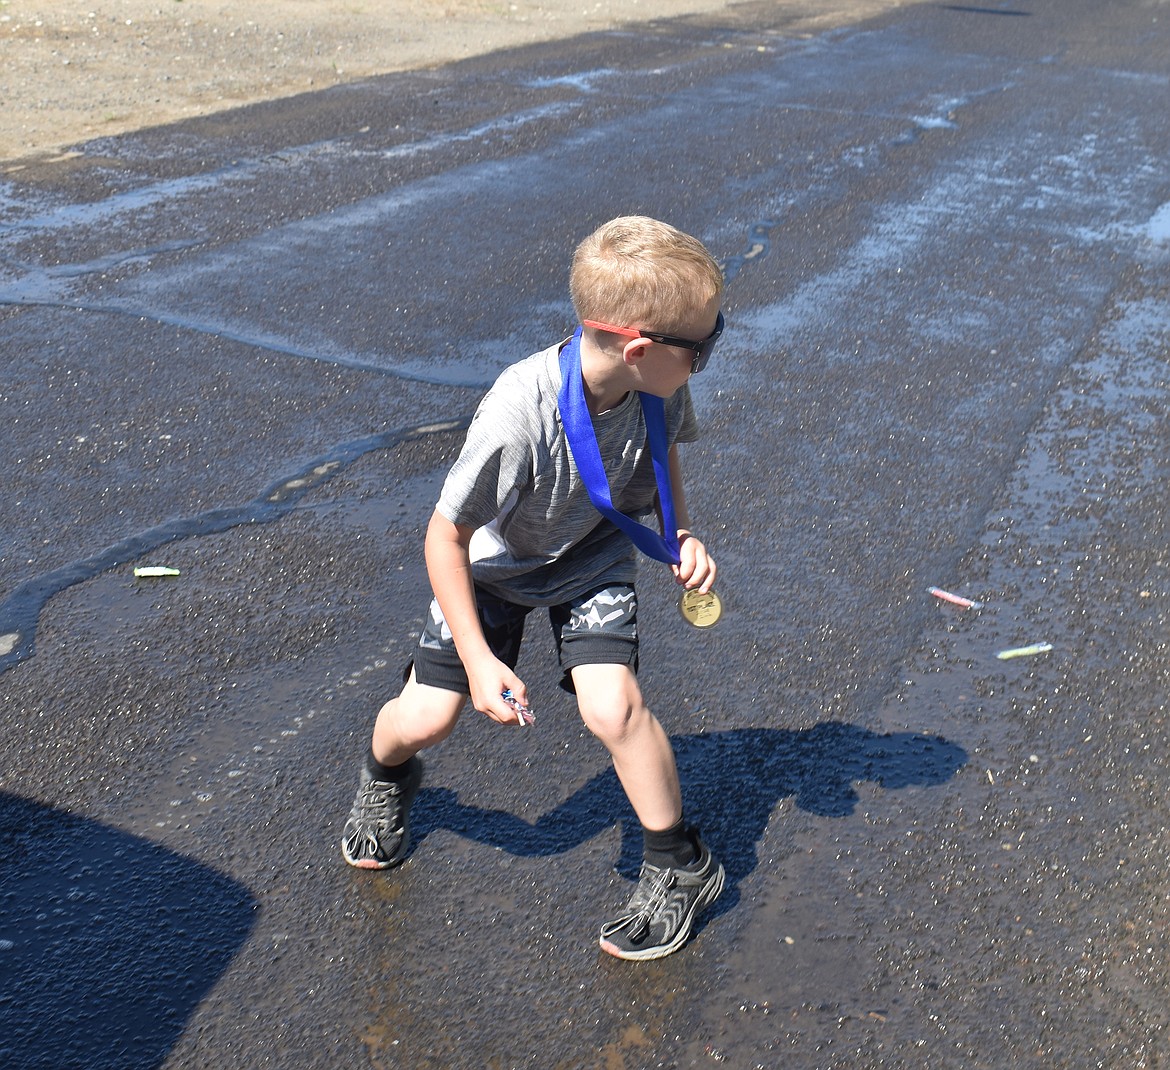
(582, 441)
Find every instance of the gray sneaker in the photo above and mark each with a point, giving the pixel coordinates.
(377, 834)
(660, 916)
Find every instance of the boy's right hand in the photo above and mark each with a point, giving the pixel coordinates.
(488, 680)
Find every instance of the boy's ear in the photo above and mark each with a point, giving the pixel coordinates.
(634, 350)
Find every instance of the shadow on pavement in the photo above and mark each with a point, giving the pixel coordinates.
(108, 942)
(732, 781)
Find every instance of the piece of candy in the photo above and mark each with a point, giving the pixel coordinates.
(524, 713)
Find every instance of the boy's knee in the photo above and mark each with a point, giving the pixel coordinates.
(428, 713)
(608, 721)
(609, 701)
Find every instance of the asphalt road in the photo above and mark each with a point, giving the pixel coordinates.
(245, 347)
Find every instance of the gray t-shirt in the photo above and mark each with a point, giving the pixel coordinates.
(539, 540)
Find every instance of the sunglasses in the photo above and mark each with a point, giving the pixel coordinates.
(702, 350)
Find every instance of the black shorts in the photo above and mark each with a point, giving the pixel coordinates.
(599, 628)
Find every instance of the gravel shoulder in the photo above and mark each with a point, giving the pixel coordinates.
(72, 70)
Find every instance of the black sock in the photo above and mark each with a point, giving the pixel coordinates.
(673, 847)
(387, 772)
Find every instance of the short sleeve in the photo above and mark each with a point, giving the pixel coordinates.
(496, 461)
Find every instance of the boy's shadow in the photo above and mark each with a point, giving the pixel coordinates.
(731, 782)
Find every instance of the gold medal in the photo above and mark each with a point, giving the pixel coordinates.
(700, 610)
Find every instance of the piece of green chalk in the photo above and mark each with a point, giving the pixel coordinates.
(1024, 651)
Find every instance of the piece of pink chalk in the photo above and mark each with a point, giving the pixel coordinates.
(958, 600)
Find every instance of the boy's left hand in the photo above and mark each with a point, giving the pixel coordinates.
(697, 567)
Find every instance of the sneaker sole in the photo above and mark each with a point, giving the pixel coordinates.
(710, 894)
(368, 863)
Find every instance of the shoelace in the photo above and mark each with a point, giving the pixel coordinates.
(375, 796)
(648, 900)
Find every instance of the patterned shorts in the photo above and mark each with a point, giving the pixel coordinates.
(600, 628)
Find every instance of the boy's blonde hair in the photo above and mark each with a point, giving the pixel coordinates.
(635, 271)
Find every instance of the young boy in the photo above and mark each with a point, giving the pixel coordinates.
(517, 527)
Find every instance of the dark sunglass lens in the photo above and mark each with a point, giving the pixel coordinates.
(703, 353)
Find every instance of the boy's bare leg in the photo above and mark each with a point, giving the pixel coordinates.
(679, 876)
(419, 717)
(611, 706)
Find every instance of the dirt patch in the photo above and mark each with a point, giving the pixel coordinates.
(71, 70)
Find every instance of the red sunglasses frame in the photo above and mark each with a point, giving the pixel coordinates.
(702, 350)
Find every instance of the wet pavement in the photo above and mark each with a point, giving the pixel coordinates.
(246, 347)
